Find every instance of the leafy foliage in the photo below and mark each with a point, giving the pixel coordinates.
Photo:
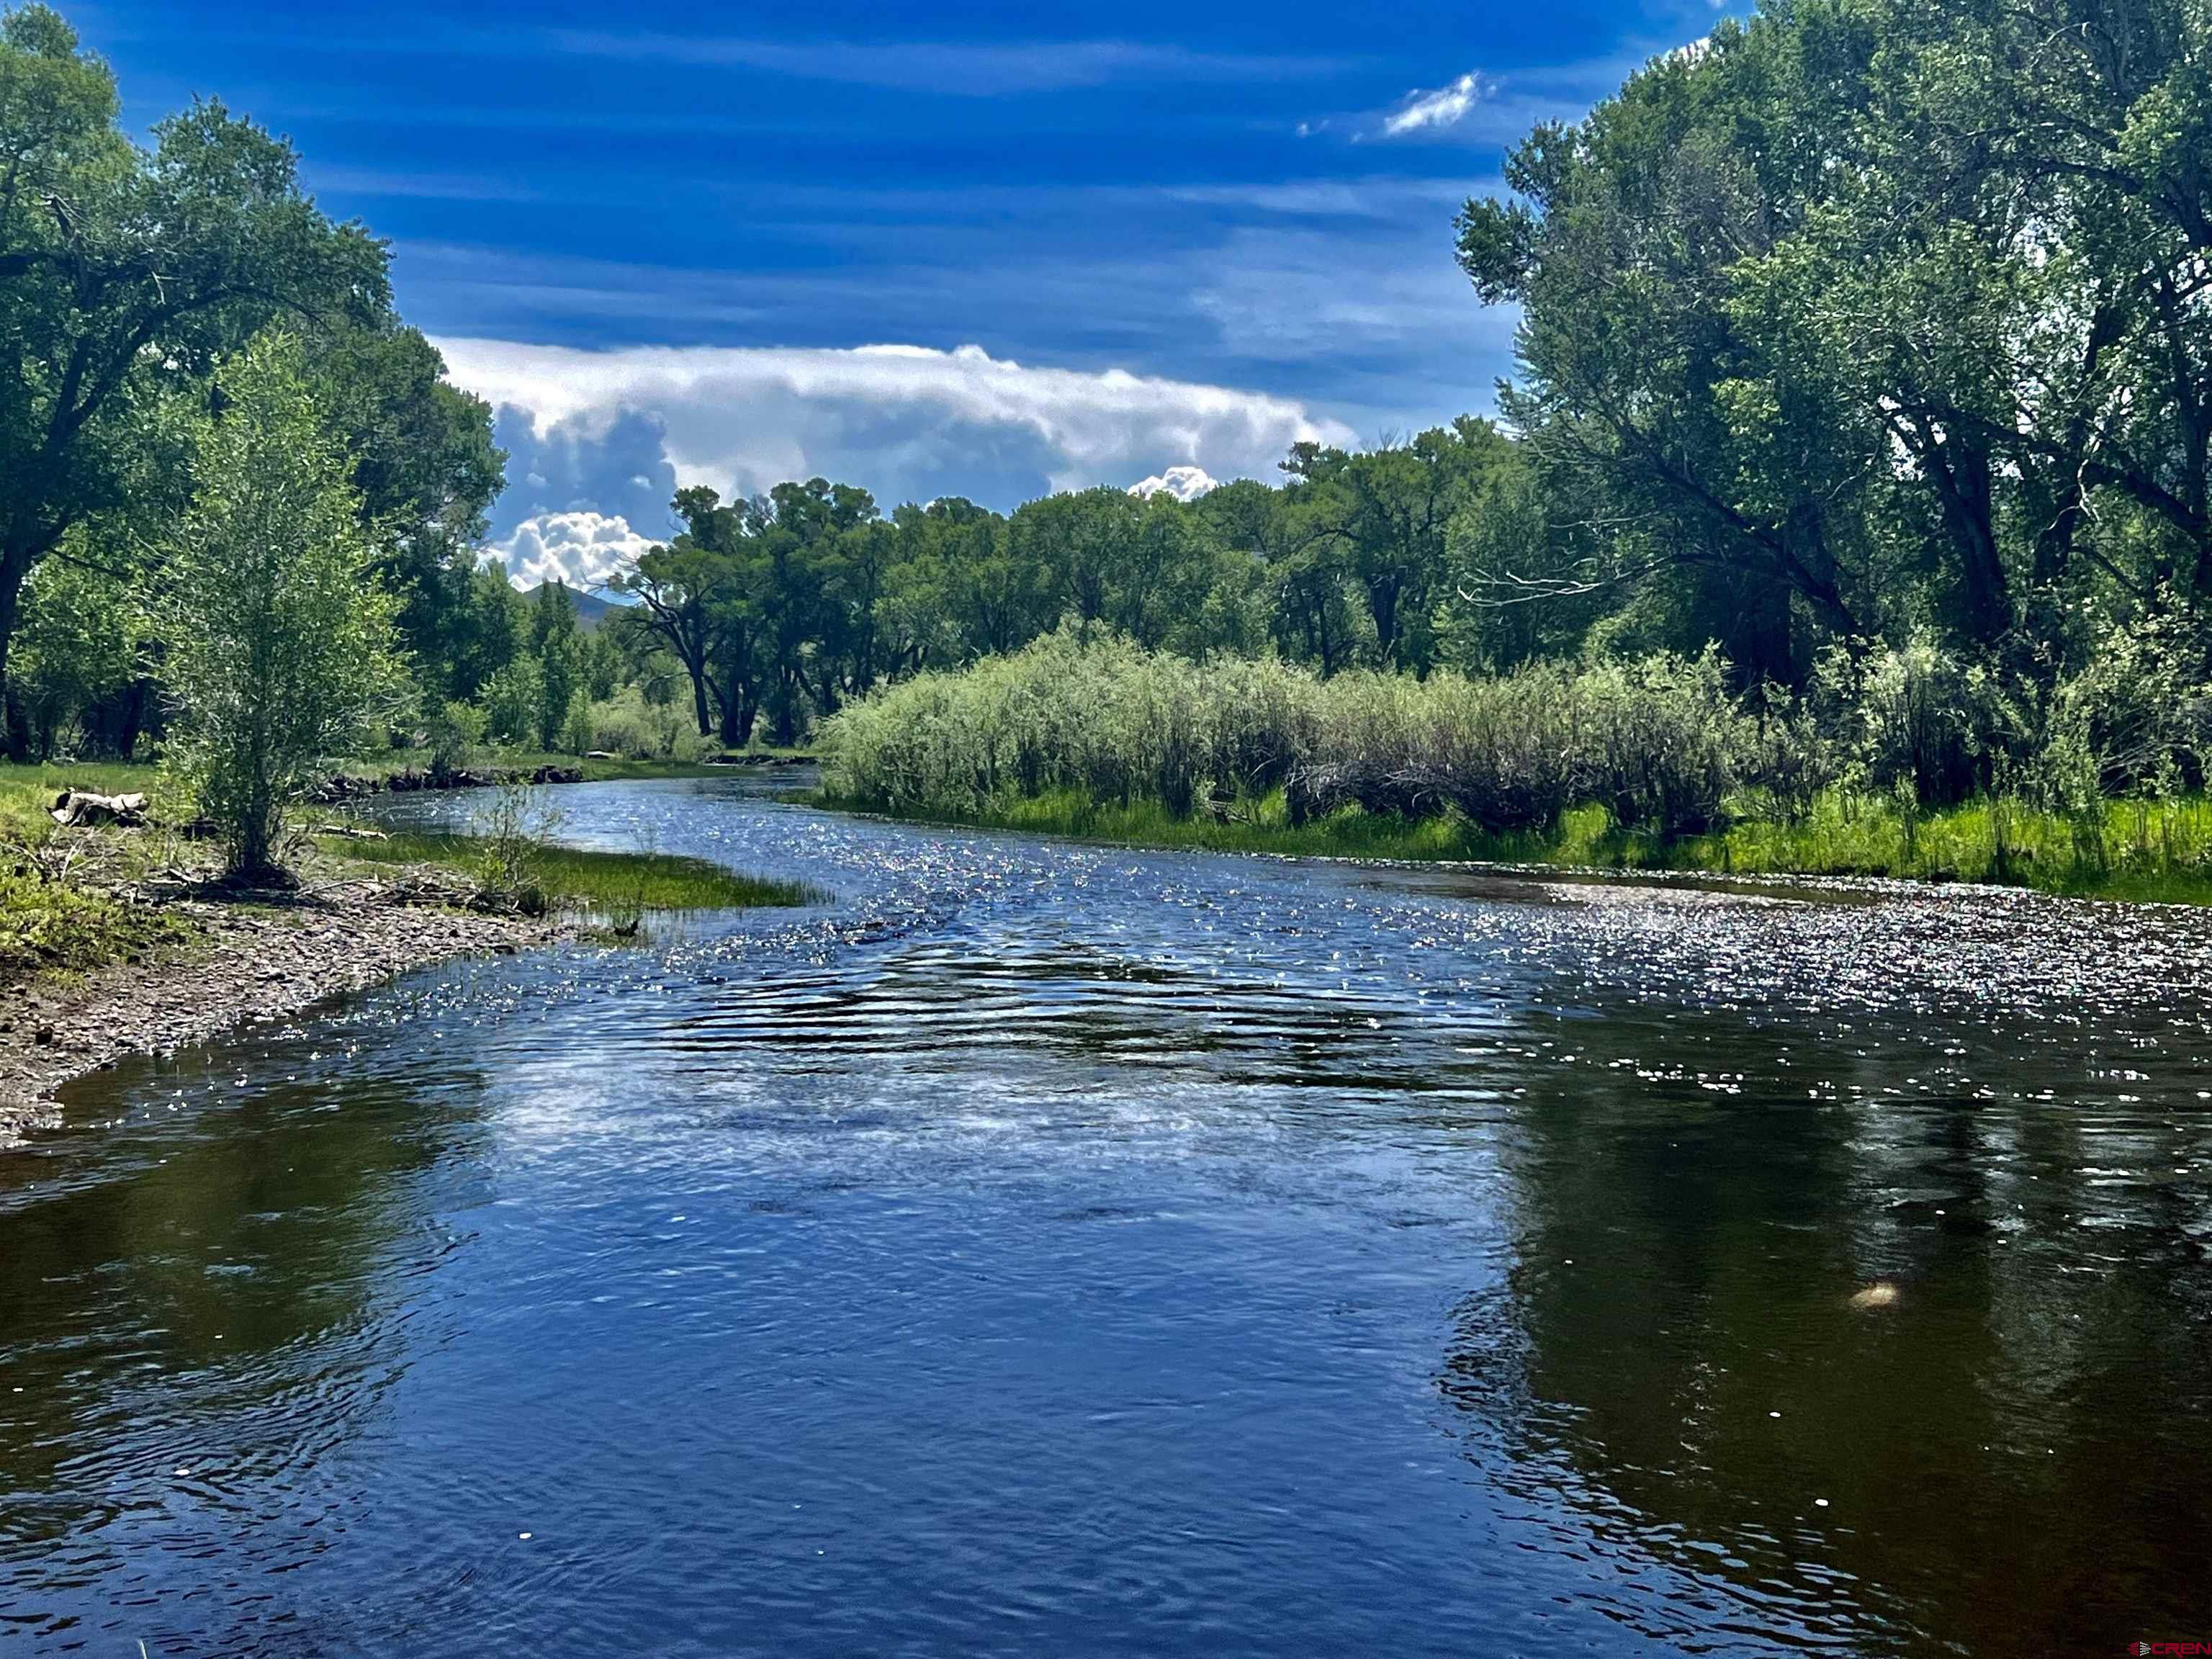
(281, 643)
(128, 277)
(1660, 742)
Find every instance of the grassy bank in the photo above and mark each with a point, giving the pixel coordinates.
(72, 901)
(63, 909)
(597, 882)
(22, 786)
(1650, 763)
(2152, 852)
(62, 927)
(27, 792)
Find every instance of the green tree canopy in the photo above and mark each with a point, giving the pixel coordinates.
(1864, 315)
(128, 274)
(281, 646)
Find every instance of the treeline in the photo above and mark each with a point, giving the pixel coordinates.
(1886, 328)
(1868, 344)
(775, 612)
(129, 277)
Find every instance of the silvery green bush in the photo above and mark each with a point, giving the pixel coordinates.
(1661, 741)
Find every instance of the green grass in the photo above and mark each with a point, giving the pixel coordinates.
(2152, 852)
(590, 880)
(51, 923)
(76, 923)
(27, 791)
(55, 926)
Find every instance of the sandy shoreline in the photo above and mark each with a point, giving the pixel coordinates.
(256, 959)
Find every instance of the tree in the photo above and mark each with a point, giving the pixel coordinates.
(126, 276)
(963, 577)
(1866, 316)
(1640, 391)
(554, 643)
(281, 643)
(427, 470)
(1081, 538)
(77, 648)
(681, 587)
(481, 636)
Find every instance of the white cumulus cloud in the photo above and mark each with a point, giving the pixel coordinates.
(1444, 106)
(1185, 484)
(908, 422)
(584, 549)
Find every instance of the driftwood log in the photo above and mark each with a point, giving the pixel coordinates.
(81, 809)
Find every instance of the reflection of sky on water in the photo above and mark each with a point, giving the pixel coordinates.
(1142, 1253)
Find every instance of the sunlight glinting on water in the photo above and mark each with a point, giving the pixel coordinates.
(1049, 1245)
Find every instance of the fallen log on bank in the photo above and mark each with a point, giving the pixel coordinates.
(81, 809)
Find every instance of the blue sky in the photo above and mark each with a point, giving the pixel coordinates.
(982, 250)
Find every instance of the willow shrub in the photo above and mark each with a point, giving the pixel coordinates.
(1659, 742)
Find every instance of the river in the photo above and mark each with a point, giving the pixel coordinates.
(1048, 1248)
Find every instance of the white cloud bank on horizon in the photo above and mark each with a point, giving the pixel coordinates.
(1185, 484)
(907, 423)
(1445, 107)
(585, 549)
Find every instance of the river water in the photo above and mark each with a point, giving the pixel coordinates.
(1046, 1249)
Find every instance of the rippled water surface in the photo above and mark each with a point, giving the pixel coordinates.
(1050, 1248)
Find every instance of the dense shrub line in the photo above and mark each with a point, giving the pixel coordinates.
(1660, 742)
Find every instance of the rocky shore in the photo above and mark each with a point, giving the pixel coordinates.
(342, 786)
(255, 956)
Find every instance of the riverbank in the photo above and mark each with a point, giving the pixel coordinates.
(25, 787)
(118, 940)
(594, 881)
(404, 769)
(221, 960)
(2149, 852)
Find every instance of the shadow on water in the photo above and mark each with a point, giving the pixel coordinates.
(1918, 1368)
(200, 1307)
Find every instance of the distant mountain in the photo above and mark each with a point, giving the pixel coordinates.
(590, 609)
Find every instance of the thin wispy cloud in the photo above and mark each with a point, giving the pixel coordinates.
(967, 68)
(1381, 197)
(1434, 111)
(427, 186)
(960, 68)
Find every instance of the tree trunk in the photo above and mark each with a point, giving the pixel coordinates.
(699, 700)
(737, 712)
(13, 569)
(1965, 485)
(1382, 596)
(137, 715)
